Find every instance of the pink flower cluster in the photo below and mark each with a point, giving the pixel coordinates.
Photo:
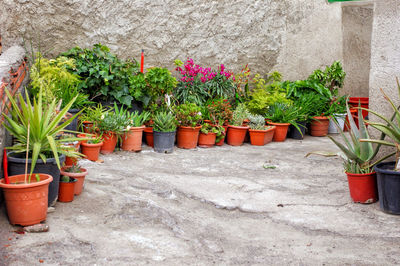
(190, 71)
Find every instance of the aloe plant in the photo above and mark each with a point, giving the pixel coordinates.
(164, 122)
(35, 127)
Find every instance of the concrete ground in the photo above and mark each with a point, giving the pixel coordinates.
(224, 205)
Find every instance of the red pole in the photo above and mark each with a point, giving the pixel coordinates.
(5, 166)
(142, 61)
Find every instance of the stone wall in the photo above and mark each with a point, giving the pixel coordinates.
(294, 37)
(357, 29)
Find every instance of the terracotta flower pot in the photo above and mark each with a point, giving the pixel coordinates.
(91, 151)
(109, 142)
(87, 126)
(132, 140)
(69, 161)
(261, 137)
(148, 134)
(80, 178)
(187, 137)
(362, 101)
(236, 135)
(66, 190)
(26, 203)
(281, 131)
(363, 187)
(319, 126)
(221, 142)
(207, 140)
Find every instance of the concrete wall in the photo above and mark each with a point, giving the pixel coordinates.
(357, 29)
(294, 37)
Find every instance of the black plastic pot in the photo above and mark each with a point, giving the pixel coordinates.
(16, 166)
(164, 141)
(74, 124)
(388, 187)
(294, 133)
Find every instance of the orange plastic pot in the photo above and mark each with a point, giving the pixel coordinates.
(87, 126)
(221, 142)
(207, 140)
(26, 203)
(80, 178)
(109, 142)
(66, 190)
(187, 137)
(319, 126)
(69, 161)
(363, 187)
(91, 151)
(148, 135)
(281, 130)
(132, 140)
(360, 101)
(261, 137)
(236, 135)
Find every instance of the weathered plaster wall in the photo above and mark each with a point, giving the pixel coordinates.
(294, 37)
(357, 29)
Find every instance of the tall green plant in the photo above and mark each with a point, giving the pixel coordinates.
(45, 122)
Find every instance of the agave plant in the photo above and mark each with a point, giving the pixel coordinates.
(164, 122)
(36, 127)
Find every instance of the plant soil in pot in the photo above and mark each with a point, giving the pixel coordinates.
(319, 126)
(281, 131)
(207, 140)
(132, 140)
(148, 134)
(388, 187)
(91, 150)
(109, 142)
(66, 190)
(26, 203)
(363, 187)
(187, 137)
(16, 166)
(78, 173)
(340, 118)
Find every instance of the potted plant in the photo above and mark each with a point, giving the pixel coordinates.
(281, 115)
(319, 116)
(260, 134)
(236, 130)
(66, 190)
(132, 138)
(90, 118)
(42, 123)
(357, 156)
(388, 173)
(189, 117)
(26, 198)
(337, 110)
(76, 172)
(74, 144)
(210, 135)
(305, 106)
(91, 148)
(164, 132)
(220, 113)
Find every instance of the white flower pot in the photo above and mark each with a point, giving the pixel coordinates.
(340, 118)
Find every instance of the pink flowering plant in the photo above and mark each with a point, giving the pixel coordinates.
(198, 84)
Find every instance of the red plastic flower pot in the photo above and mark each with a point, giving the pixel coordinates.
(261, 137)
(360, 101)
(80, 178)
(91, 151)
(319, 126)
(363, 187)
(132, 140)
(87, 126)
(148, 135)
(66, 190)
(26, 203)
(236, 135)
(187, 137)
(207, 140)
(281, 130)
(109, 142)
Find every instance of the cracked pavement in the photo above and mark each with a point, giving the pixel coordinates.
(223, 205)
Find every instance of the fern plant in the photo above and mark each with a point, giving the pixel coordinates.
(164, 122)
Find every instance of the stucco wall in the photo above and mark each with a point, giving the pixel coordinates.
(357, 29)
(385, 55)
(294, 37)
